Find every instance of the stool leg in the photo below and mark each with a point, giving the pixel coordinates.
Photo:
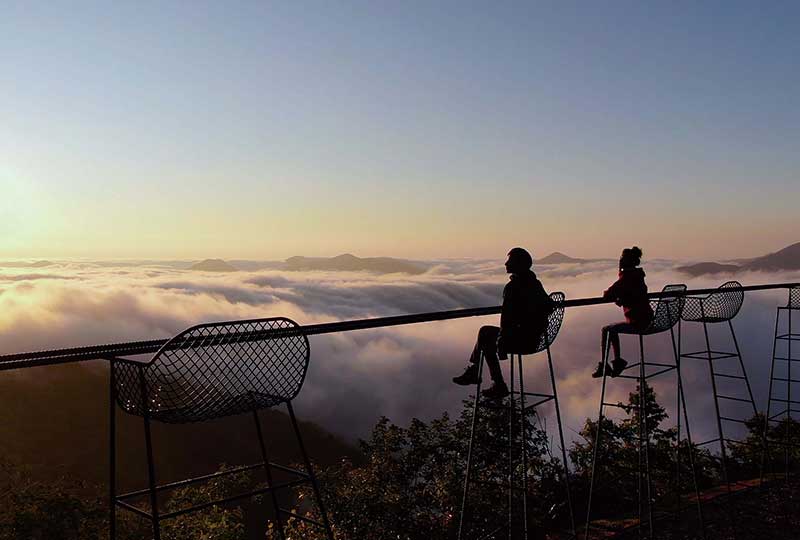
(723, 453)
(788, 442)
(596, 443)
(744, 371)
(112, 451)
(151, 470)
(645, 436)
(524, 430)
(764, 440)
(561, 441)
(682, 402)
(510, 452)
(265, 457)
(310, 472)
(467, 476)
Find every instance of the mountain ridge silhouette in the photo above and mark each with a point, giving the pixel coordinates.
(787, 258)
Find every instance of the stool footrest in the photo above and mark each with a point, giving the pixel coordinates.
(720, 396)
(726, 376)
(733, 420)
(704, 355)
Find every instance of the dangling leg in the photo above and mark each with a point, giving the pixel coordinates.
(471, 374)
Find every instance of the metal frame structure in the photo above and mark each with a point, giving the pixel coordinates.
(517, 405)
(210, 371)
(716, 308)
(137, 374)
(151, 346)
(785, 415)
(666, 314)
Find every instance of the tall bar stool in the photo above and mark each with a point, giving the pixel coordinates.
(517, 528)
(206, 372)
(667, 312)
(790, 400)
(721, 307)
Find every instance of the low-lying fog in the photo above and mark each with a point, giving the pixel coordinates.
(400, 372)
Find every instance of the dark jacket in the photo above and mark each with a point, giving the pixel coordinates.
(630, 292)
(526, 307)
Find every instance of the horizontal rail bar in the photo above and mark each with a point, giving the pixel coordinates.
(134, 348)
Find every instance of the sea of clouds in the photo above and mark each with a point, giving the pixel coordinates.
(400, 372)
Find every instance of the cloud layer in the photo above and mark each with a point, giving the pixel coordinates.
(400, 372)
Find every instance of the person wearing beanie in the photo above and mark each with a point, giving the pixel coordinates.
(523, 320)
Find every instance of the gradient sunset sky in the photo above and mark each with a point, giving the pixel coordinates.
(413, 129)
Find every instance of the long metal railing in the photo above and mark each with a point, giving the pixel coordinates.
(133, 348)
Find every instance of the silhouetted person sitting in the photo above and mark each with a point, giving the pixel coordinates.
(526, 307)
(630, 292)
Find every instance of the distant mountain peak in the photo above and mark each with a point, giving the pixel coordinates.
(213, 265)
(558, 258)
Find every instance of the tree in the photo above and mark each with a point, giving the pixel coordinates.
(616, 478)
(409, 486)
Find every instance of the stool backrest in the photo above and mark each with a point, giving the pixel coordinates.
(722, 305)
(215, 369)
(553, 322)
(667, 311)
(794, 298)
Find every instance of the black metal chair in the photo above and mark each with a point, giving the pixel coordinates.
(666, 314)
(789, 400)
(211, 371)
(545, 342)
(720, 307)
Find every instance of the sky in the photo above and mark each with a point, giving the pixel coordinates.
(415, 129)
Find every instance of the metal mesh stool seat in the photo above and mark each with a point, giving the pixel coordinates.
(666, 314)
(716, 307)
(782, 387)
(721, 306)
(206, 372)
(517, 525)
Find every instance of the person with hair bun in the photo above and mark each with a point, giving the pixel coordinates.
(630, 292)
(523, 320)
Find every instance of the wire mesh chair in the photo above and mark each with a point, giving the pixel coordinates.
(544, 343)
(667, 311)
(206, 372)
(780, 382)
(721, 307)
(716, 307)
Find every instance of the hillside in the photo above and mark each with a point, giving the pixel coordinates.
(701, 269)
(213, 265)
(55, 419)
(351, 263)
(787, 258)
